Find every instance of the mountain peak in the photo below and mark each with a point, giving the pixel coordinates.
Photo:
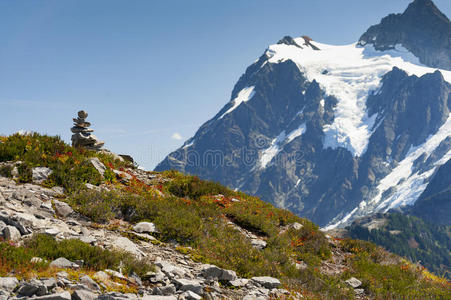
(429, 40)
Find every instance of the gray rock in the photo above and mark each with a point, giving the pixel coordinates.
(63, 263)
(354, 282)
(41, 174)
(189, 285)
(49, 283)
(359, 291)
(83, 295)
(125, 244)
(267, 282)
(59, 296)
(296, 226)
(62, 209)
(2, 226)
(169, 269)
(91, 284)
(258, 243)
(8, 283)
(157, 297)
(98, 165)
(214, 272)
(145, 227)
(189, 295)
(239, 282)
(11, 233)
(168, 289)
(301, 265)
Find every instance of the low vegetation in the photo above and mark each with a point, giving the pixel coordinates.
(413, 238)
(19, 259)
(211, 223)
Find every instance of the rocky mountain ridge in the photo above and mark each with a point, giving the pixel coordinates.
(331, 133)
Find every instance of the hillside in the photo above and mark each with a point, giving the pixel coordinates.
(84, 225)
(335, 132)
(426, 243)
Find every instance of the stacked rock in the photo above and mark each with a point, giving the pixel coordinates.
(83, 136)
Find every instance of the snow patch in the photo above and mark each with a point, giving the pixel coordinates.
(244, 95)
(277, 145)
(409, 183)
(352, 73)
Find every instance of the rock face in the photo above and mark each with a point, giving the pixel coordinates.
(82, 134)
(331, 134)
(428, 39)
(434, 204)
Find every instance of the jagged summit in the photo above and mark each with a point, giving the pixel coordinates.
(422, 29)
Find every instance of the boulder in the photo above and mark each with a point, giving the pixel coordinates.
(189, 285)
(41, 174)
(63, 263)
(11, 233)
(91, 284)
(239, 282)
(58, 296)
(83, 295)
(169, 269)
(125, 244)
(62, 209)
(145, 227)
(267, 282)
(216, 273)
(354, 282)
(8, 283)
(157, 297)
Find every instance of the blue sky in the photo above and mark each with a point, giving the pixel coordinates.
(149, 73)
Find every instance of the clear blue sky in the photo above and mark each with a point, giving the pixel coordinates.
(145, 70)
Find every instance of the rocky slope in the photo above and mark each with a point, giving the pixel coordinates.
(111, 231)
(331, 133)
(434, 204)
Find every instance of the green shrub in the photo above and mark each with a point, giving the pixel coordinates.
(95, 258)
(25, 173)
(6, 171)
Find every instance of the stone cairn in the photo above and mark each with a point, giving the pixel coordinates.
(82, 134)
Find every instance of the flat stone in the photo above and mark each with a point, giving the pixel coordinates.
(258, 243)
(189, 295)
(8, 283)
(91, 284)
(63, 263)
(98, 165)
(157, 297)
(189, 285)
(101, 276)
(169, 268)
(11, 233)
(239, 282)
(62, 209)
(125, 244)
(59, 296)
(354, 282)
(267, 282)
(83, 295)
(145, 227)
(41, 174)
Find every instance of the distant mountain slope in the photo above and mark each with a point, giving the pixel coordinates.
(422, 29)
(434, 204)
(408, 236)
(331, 133)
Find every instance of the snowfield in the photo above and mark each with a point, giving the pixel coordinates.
(349, 73)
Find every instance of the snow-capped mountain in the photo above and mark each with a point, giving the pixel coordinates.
(333, 132)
